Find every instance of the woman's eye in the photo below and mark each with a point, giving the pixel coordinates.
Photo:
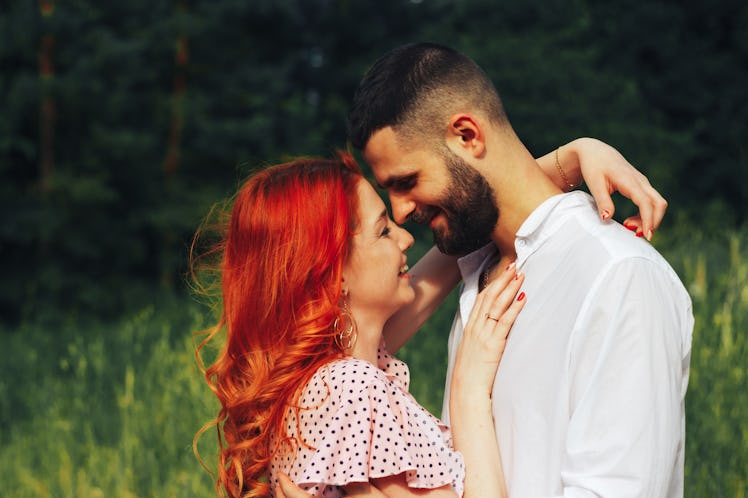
(386, 231)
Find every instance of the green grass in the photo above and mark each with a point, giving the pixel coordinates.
(715, 269)
(110, 410)
(105, 410)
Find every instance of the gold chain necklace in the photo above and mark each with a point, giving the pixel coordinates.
(487, 273)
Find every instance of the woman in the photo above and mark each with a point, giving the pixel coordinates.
(312, 270)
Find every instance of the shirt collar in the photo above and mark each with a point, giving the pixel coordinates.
(471, 264)
(470, 267)
(540, 224)
(530, 235)
(534, 222)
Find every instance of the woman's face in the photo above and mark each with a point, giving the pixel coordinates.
(375, 273)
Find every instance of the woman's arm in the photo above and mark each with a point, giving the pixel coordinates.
(470, 404)
(397, 487)
(433, 277)
(287, 489)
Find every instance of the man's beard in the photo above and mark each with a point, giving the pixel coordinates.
(469, 207)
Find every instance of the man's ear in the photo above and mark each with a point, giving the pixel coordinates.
(465, 134)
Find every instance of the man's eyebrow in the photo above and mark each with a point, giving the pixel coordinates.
(386, 184)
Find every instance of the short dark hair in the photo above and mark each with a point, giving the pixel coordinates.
(416, 84)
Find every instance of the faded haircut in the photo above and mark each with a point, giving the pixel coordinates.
(415, 88)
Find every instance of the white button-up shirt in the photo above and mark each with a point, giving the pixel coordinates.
(588, 400)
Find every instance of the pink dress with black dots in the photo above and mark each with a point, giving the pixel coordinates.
(359, 423)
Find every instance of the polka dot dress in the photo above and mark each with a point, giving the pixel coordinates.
(359, 422)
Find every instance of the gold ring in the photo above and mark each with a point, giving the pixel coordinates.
(492, 318)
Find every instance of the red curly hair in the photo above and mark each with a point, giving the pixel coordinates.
(282, 258)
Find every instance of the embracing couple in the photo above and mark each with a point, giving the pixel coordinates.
(585, 397)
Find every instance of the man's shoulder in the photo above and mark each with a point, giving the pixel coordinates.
(623, 255)
(593, 246)
(586, 228)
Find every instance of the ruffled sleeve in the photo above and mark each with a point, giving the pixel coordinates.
(379, 430)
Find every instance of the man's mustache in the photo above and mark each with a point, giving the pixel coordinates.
(423, 216)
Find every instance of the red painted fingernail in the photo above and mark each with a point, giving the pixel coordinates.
(510, 265)
(521, 296)
(640, 234)
(630, 227)
(605, 214)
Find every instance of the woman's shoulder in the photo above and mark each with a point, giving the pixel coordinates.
(339, 379)
(349, 381)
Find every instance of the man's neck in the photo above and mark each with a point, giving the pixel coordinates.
(519, 194)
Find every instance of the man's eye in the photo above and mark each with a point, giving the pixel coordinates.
(385, 232)
(405, 183)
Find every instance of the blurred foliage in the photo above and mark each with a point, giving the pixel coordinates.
(120, 124)
(98, 410)
(110, 409)
(713, 265)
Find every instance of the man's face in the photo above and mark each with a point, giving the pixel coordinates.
(436, 189)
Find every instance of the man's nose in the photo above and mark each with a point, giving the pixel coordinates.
(401, 208)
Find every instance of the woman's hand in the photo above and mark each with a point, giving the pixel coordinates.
(287, 489)
(485, 335)
(605, 171)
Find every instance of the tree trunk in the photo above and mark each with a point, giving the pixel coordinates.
(47, 110)
(174, 142)
(181, 57)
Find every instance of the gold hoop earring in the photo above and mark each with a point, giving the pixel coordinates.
(344, 327)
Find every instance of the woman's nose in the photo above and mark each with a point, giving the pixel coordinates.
(406, 239)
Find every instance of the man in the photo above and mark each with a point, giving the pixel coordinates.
(589, 397)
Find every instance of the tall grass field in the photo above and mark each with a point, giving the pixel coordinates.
(110, 409)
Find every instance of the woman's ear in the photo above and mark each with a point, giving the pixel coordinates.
(465, 134)
(343, 286)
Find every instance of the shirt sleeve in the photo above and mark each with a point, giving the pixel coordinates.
(380, 431)
(629, 371)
